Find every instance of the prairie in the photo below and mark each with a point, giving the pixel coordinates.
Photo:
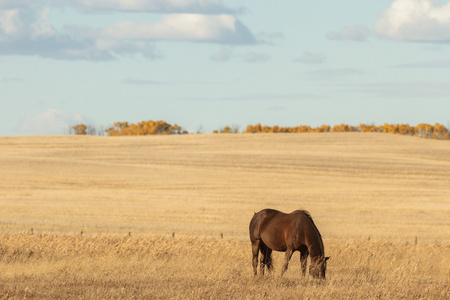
(144, 217)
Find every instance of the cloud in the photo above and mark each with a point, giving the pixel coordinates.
(310, 58)
(51, 121)
(27, 30)
(158, 6)
(415, 20)
(222, 29)
(351, 33)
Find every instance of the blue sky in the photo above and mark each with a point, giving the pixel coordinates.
(206, 64)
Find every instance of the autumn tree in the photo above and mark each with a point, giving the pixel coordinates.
(343, 128)
(80, 129)
(368, 128)
(144, 128)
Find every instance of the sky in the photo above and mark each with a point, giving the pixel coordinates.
(207, 64)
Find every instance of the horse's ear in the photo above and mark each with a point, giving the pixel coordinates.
(327, 258)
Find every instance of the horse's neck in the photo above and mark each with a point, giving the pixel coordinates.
(316, 250)
(315, 246)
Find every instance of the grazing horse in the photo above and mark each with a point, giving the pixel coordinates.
(274, 230)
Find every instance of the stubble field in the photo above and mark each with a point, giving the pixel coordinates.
(143, 217)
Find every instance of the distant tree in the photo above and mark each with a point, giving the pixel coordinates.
(80, 129)
(144, 128)
(226, 129)
(368, 128)
(440, 131)
(323, 128)
(343, 128)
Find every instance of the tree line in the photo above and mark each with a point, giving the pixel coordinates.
(436, 131)
(127, 129)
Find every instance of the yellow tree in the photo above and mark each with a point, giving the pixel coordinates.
(80, 129)
(424, 130)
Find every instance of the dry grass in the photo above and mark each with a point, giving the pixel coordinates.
(49, 266)
(371, 195)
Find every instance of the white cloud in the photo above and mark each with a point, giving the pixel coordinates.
(51, 121)
(415, 20)
(25, 23)
(27, 30)
(311, 58)
(224, 29)
(161, 6)
(350, 33)
(42, 26)
(10, 24)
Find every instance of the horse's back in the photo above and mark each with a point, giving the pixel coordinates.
(278, 230)
(267, 219)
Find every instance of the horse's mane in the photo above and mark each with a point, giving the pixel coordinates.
(308, 216)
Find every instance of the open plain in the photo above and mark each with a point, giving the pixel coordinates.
(167, 216)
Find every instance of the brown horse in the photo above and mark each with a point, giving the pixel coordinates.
(273, 230)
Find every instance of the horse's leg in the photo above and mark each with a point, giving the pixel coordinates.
(255, 250)
(269, 263)
(287, 258)
(264, 251)
(303, 256)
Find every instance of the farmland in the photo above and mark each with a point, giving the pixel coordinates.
(144, 217)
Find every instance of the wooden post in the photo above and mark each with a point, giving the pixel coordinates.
(173, 234)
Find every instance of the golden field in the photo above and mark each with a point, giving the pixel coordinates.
(371, 195)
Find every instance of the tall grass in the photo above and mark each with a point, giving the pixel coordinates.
(51, 266)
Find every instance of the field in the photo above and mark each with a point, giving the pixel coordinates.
(167, 216)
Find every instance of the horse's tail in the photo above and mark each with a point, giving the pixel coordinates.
(254, 224)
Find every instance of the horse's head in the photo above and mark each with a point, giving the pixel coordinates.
(319, 268)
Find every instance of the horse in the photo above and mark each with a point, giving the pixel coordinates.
(274, 230)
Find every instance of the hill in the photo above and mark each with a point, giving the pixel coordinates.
(354, 184)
